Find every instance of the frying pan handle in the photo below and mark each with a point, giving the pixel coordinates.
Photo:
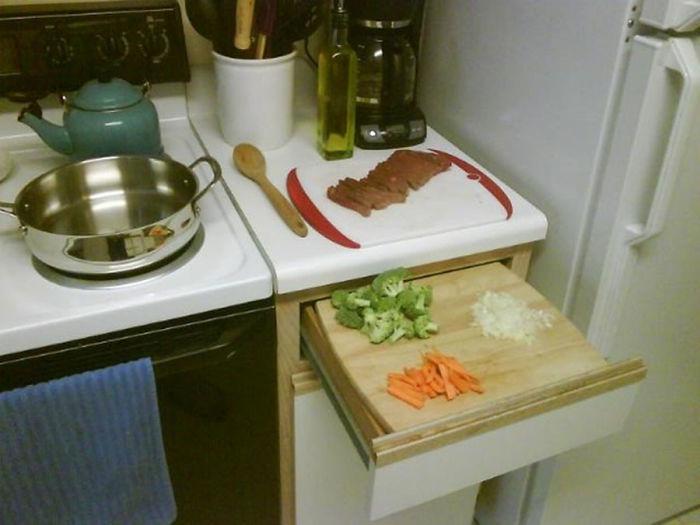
(215, 168)
(9, 211)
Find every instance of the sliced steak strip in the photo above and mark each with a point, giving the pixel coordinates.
(392, 196)
(377, 199)
(417, 167)
(386, 176)
(388, 183)
(341, 195)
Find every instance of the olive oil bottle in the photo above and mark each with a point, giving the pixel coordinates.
(337, 86)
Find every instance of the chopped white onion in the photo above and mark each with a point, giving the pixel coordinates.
(503, 316)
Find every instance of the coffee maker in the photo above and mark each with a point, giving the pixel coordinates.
(385, 35)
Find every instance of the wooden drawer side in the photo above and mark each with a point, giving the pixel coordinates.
(349, 405)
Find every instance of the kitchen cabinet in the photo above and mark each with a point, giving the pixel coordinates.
(308, 269)
(540, 401)
(291, 363)
(332, 483)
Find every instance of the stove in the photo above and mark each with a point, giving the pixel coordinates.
(204, 317)
(221, 266)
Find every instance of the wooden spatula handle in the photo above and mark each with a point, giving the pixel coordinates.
(244, 23)
(285, 209)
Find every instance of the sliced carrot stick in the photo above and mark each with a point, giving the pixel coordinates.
(439, 374)
(426, 388)
(429, 371)
(401, 394)
(438, 386)
(413, 399)
(476, 388)
(416, 375)
(458, 381)
(402, 384)
(450, 390)
(457, 367)
(403, 378)
(406, 388)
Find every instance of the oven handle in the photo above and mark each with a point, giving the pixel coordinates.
(192, 353)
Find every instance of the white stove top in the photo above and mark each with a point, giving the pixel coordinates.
(222, 268)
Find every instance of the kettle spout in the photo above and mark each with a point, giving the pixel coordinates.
(56, 137)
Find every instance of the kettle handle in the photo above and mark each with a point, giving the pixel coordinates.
(8, 208)
(33, 107)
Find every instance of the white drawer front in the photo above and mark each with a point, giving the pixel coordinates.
(433, 474)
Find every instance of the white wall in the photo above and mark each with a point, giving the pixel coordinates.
(521, 85)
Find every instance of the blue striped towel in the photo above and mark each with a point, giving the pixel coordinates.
(85, 449)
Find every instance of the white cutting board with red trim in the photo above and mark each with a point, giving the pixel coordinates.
(455, 199)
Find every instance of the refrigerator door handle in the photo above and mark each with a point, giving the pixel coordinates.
(680, 56)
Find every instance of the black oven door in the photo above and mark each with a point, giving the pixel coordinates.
(217, 397)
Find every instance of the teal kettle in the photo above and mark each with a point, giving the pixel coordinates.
(104, 117)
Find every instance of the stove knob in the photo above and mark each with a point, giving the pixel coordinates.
(154, 44)
(58, 51)
(112, 48)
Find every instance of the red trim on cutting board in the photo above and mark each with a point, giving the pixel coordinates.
(313, 215)
(487, 182)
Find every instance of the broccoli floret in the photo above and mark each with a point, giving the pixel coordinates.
(407, 296)
(381, 327)
(390, 283)
(379, 331)
(414, 300)
(349, 318)
(338, 298)
(366, 293)
(402, 328)
(427, 291)
(388, 309)
(383, 304)
(409, 329)
(355, 301)
(417, 309)
(352, 299)
(369, 316)
(424, 326)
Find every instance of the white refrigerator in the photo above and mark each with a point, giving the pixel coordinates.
(591, 110)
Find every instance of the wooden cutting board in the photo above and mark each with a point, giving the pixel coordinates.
(506, 368)
(464, 196)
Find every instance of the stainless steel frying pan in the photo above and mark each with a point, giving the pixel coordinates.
(110, 215)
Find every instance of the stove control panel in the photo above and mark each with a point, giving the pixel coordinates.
(58, 47)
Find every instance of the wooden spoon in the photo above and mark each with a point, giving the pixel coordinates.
(250, 162)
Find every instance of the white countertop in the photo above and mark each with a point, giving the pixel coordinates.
(303, 263)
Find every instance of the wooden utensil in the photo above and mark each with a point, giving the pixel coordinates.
(244, 24)
(250, 162)
(266, 23)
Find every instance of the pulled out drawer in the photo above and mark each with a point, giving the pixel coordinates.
(540, 399)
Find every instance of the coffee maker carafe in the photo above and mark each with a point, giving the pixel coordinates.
(384, 36)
